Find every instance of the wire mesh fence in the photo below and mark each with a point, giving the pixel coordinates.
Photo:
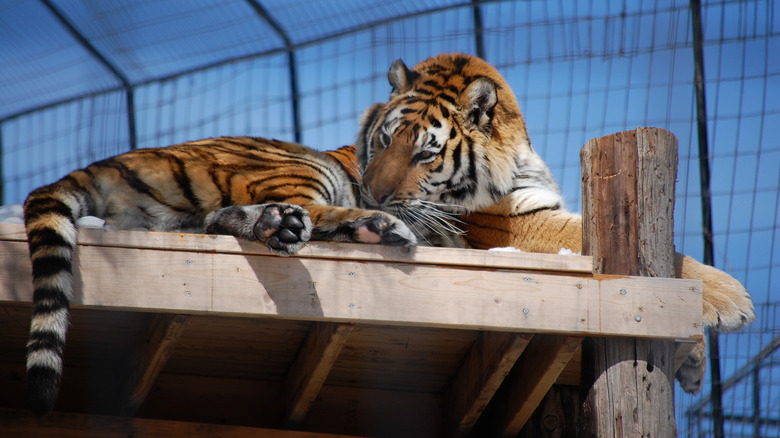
(580, 70)
(751, 392)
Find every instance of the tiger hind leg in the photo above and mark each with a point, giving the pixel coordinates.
(284, 228)
(691, 372)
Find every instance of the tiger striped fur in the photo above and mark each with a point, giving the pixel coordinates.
(279, 193)
(452, 138)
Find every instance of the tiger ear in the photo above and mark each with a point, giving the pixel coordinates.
(401, 78)
(478, 101)
(368, 122)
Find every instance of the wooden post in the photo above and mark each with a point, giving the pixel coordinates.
(628, 200)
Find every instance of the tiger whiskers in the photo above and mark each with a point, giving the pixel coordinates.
(413, 225)
(445, 208)
(430, 217)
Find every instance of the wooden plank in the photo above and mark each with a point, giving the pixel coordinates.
(482, 372)
(525, 387)
(310, 369)
(628, 204)
(162, 334)
(260, 349)
(203, 399)
(414, 359)
(19, 423)
(367, 292)
(377, 413)
(341, 251)
(346, 410)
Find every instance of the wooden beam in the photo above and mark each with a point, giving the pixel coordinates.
(421, 255)
(20, 423)
(481, 374)
(444, 295)
(311, 367)
(527, 384)
(152, 353)
(628, 201)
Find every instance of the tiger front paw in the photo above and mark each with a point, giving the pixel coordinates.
(382, 228)
(284, 228)
(726, 303)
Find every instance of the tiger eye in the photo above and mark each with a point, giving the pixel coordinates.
(384, 139)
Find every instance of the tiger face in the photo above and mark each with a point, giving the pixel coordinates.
(450, 140)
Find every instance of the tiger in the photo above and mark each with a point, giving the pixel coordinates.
(277, 193)
(451, 138)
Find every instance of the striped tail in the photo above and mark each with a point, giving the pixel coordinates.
(50, 215)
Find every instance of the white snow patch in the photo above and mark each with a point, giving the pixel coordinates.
(505, 249)
(14, 214)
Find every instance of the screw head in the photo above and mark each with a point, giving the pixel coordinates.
(622, 291)
(525, 311)
(638, 318)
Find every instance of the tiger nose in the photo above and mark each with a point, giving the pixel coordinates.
(381, 196)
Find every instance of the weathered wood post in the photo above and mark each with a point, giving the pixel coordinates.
(628, 201)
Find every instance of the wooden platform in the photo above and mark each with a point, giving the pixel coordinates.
(199, 335)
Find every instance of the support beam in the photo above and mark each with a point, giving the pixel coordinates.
(103, 60)
(628, 201)
(479, 377)
(706, 206)
(20, 423)
(153, 351)
(289, 47)
(479, 44)
(311, 367)
(527, 384)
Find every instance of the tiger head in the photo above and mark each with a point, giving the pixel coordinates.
(451, 140)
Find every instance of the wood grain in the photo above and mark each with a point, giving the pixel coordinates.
(314, 289)
(420, 255)
(628, 201)
(307, 374)
(153, 351)
(479, 377)
(525, 387)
